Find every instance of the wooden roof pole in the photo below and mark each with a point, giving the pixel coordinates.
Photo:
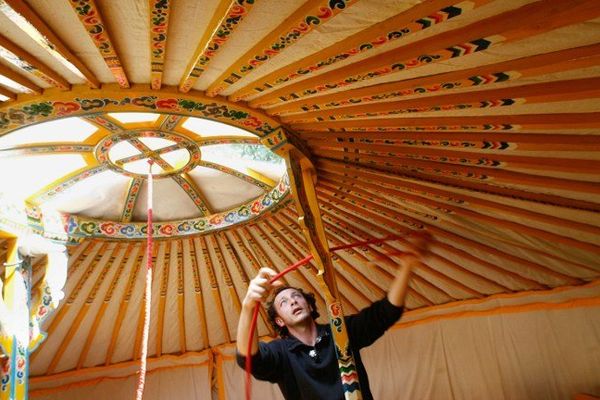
(302, 175)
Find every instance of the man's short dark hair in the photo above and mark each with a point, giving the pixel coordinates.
(283, 330)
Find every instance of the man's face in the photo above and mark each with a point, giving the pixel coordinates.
(292, 308)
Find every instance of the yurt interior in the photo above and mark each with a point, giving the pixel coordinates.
(157, 155)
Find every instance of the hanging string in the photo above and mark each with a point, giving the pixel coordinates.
(148, 291)
(305, 260)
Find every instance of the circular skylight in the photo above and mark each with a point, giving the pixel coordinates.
(208, 173)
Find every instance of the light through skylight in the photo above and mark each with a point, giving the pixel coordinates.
(68, 130)
(155, 143)
(13, 85)
(30, 174)
(246, 158)
(122, 150)
(176, 159)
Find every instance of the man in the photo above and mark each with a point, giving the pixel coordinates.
(303, 361)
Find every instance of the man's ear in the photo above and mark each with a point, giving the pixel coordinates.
(279, 322)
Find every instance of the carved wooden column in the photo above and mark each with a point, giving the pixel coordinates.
(303, 177)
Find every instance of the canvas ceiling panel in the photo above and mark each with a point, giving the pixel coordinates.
(218, 331)
(263, 18)
(63, 21)
(195, 318)
(74, 341)
(31, 174)
(172, 342)
(131, 325)
(42, 357)
(250, 267)
(99, 196)
(576, 214)
(580, 252)
(223, 191)
(342, 27)
(496, 214)
(554, 107)
(160, 274)
(233, 274)
(128, 25)
(355, 18)
(176, 205)
(230, 296)
(62, 130)
(562, 263)
(188, 22)
(112, 302)
(66, 320)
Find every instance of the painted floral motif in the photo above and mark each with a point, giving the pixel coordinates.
(444, 54)
(236, 13)
(415, 26)
(89, 15)
(132, 194)
(159, 20)
(269, 202)
(301, 28)
(35, 112)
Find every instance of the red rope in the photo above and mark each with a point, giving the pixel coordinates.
(292, 267)
(148, 292)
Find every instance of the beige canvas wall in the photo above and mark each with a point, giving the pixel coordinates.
(537, 345)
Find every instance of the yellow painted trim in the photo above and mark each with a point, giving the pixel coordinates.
(306, 9)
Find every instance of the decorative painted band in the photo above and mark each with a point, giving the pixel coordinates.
(78, 227)
(82, 102)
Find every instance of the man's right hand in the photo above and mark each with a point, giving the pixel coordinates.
(260, 287)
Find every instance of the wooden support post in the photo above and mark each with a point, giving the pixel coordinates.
(14, 321)
(302, 180)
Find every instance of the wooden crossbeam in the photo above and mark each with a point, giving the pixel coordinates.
(31, 65)
(51, 42)
(286, 34)
(503, 122)
(159, 11)
(574, 89)
(478, 36)
(546, 63)
(415, 19)
(91, 19)
(207, 48)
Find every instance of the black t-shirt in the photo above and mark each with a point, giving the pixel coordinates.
(306, 373)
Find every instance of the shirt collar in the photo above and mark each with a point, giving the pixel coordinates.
(294, 344)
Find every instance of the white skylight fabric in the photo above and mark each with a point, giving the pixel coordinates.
(68, 130)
